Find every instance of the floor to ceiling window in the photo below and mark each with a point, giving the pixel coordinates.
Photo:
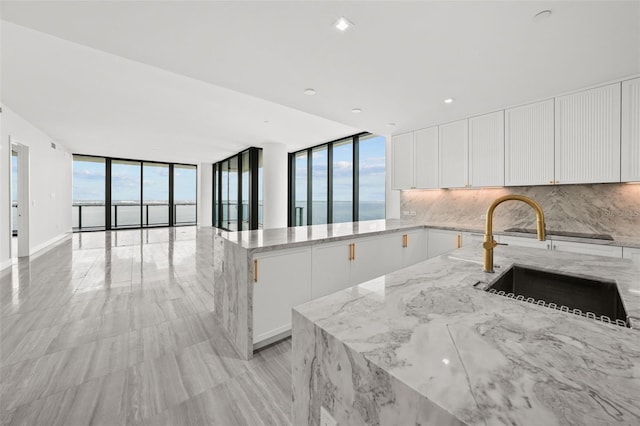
(89, 193)
(340, 181)
(237, 191)
(371, 177)
(113, 193)
(155, 193)
(185, 184)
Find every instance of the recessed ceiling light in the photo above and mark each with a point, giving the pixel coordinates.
(343, 24)
(542, 15)
(309, 92)
(449, 100)
(356, 110)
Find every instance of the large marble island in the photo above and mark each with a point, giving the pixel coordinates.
(424, 346)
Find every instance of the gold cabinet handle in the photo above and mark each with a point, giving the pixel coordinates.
(255, 270)
(550, 181)
(353, 251)
(405, 240)
(458, 241)
(350, 252)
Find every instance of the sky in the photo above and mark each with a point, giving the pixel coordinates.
(89, 181)
(371, 172)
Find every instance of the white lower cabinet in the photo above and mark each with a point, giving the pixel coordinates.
(471, 238)
(413, 247)
(631, 253)
(441, 241)
(331, 268)
(524, 242)
(376, 256)
(586, 248)
(273, 292)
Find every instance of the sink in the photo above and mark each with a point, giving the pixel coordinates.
(589, 297)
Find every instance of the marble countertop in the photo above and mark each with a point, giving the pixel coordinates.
(487, 359)
(273, 239)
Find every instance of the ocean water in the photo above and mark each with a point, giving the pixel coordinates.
(369, 210)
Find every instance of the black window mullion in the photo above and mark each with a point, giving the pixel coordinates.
(356, 179)
(141, 193)
(291, 190)
(239, 205)
(253, 187)
(309, 186)
(107, 194)
(172, 208)
(330, 183)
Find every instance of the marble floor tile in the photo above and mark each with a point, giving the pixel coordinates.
(117, 328)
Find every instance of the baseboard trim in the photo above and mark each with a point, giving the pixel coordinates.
(4, 265)
(42, 248)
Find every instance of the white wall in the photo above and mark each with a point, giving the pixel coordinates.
(50, 184)
(205, 193)
(392, 198)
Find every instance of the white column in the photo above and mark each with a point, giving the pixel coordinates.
(274, 174)
(392, 210)
(205, 193)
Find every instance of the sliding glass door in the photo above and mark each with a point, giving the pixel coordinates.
(126, 194)
(88, 210)
(155, 193)
(185, 182)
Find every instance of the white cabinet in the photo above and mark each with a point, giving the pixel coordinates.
(630, 147)
(415, 159)
(413, 247)
(375, 256)
(273, 292)
(471, 238)
(632, 253)
(586, 248)
(440, 241)
(331, 268)
(453, 153)
(426, 155)
(529, 144)
(403, 161)
(587, 136)
(524, 242)
(486, 150)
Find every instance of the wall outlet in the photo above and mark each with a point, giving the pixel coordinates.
(405, 213)
(412, 213)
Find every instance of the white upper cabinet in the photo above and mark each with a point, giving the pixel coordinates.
(486, 150)
(587, 143)
(630, 130)
(453, 153)
(528, 145)
(403, 161)
(426, 156)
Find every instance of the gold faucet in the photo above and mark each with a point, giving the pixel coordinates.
(490, 243)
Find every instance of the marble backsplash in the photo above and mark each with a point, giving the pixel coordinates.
(612, 209)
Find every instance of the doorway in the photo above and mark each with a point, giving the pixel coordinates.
(19, 200)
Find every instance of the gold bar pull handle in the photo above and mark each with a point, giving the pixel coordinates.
(458, 241)
(353, 251)
(255, 270)
(404, 241)
(350, 252)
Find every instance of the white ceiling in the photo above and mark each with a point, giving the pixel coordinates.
(196, 80)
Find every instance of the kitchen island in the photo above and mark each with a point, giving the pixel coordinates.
(424, 346)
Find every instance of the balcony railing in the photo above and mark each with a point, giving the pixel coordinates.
(123, 215)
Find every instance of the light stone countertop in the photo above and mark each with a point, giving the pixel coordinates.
(481, 357)
(282, 238)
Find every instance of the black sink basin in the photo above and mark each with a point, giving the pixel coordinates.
(594, 298)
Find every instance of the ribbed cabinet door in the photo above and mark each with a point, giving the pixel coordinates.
(630, 130)
(486, 150)
(587, 144)
(454, 154)
(529, 144)
(426, 148)
(403, 161)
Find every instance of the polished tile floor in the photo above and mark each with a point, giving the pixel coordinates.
(117, 328)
